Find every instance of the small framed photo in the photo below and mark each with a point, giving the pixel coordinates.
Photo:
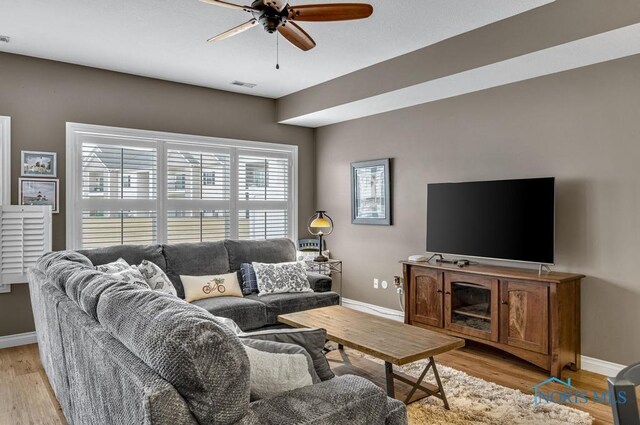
(39, 164)
(39, 192)
(371, 192)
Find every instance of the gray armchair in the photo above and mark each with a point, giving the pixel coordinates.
(624, 402)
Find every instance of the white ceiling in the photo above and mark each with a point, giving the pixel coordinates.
(166, 38)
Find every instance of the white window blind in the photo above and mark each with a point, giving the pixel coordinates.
(118, 202)
(25, 235)
(138, 187)
(263, 193)
(199, 197)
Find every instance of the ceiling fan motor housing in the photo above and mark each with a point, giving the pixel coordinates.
(269, 17)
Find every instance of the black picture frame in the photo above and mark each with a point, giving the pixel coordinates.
(376, 208)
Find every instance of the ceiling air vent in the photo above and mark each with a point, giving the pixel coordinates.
(243, 84)
(5, 38)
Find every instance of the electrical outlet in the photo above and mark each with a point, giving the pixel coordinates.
(384, 284)
(375, 283)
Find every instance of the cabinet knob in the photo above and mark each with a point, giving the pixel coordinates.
(503, 302)
(447, 293)
(439, 291)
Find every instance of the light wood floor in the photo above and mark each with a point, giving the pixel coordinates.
(27, 398)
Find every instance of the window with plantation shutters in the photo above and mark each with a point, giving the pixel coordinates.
(263, 195)
(198, 195)
(119, 188)
(139, 187)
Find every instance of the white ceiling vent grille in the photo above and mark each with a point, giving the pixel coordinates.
(243, 84)
(5, 38)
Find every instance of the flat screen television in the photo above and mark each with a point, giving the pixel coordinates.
(506, 219)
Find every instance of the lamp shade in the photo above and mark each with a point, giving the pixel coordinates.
(319, 223)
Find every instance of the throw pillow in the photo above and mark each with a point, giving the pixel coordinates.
(131, 275)
(117, 266)
(249, 280)
(200, 287)
(312, 340)
(156, 278)
(276, 368)
(281, 277)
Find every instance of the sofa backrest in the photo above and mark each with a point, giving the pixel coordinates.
(186, 346)
(197, 259)
(132, 254)
(194, 259)
(268, 251)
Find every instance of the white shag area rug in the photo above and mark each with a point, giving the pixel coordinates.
(474, 401)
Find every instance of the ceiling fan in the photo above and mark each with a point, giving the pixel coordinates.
(278, 15)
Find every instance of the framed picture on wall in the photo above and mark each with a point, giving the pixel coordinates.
(39, 164)
(371, 192)
(39, 192)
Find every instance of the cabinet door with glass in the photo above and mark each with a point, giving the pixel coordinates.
(471, 305)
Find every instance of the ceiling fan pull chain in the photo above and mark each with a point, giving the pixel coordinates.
(277, 50)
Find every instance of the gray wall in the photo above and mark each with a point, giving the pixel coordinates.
(581, 126)
(41, 96)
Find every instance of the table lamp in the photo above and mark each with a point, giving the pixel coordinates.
(320, 225)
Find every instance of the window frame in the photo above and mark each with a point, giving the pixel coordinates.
(77, 133)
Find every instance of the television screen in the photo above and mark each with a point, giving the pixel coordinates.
(506, 219)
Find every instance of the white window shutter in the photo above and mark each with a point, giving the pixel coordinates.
(25, 235)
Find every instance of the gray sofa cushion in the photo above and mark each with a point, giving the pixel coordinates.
(397, 412)
(319, 282)
(269, 251)
(47, 260)
(346, 399)
(248, 314)
(289, 303)
(132, 254)
(195, 259)
(186, 346)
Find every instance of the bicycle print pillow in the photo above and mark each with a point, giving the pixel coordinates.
(281, 277)
(201, 287)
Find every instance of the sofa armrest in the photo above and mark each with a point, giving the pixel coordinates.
(319, 282)
(344, 400)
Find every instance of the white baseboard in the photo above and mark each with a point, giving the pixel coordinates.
(590, 364)
(18, 339)
(602, 367)
(374, 309)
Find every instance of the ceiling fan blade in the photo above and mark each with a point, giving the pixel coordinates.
(276, 4)
(297, 36)
(330, 12)
(229, 5)
(234, 31)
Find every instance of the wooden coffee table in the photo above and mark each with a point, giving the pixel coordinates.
(394, 342)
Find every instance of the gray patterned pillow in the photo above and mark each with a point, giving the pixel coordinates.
(281, 277)
(131, 275)
(156, 278)
(117, 266)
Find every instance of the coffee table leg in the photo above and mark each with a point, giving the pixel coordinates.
(388, 371)
(440, 387)
(340, 347)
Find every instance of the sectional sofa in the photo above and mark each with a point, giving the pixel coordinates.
(116, 353)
